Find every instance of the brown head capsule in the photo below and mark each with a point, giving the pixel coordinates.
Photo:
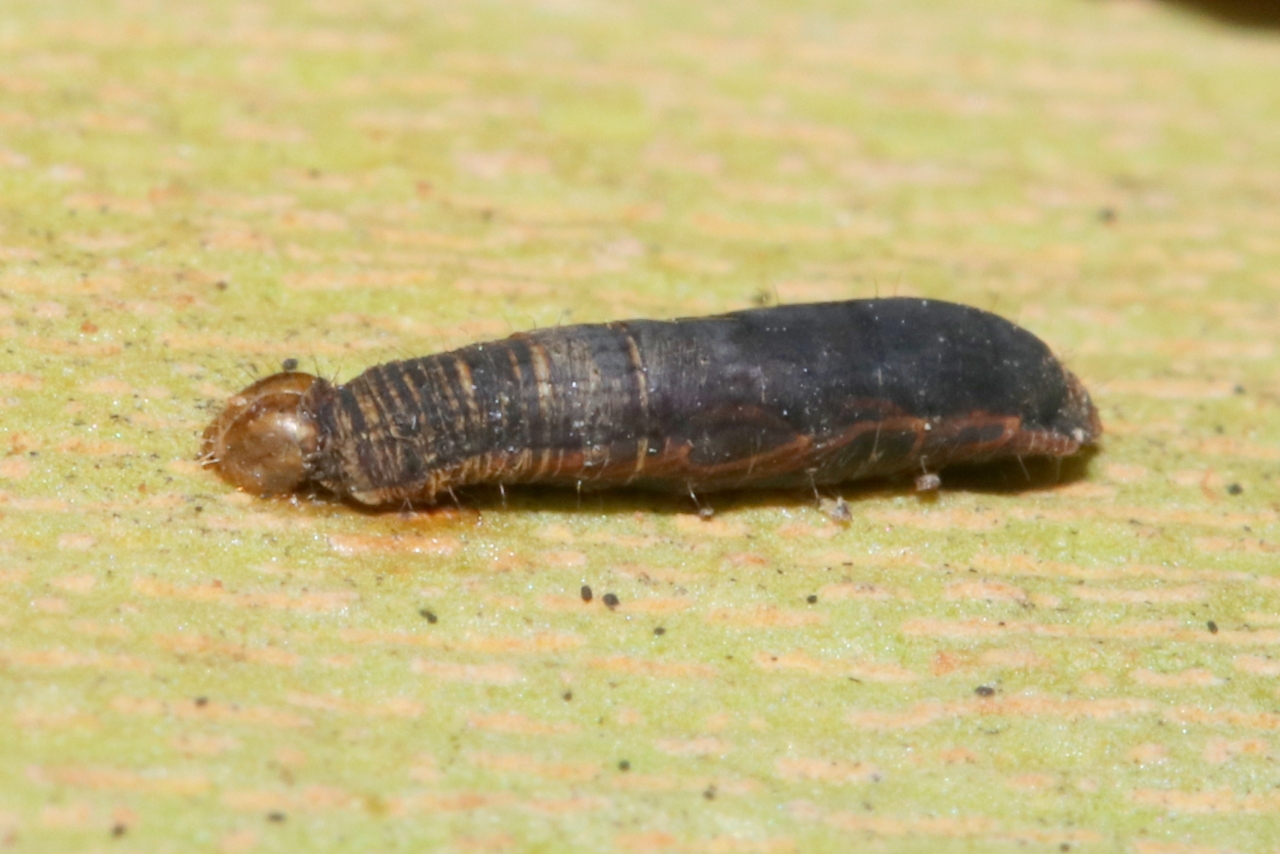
(266, 436)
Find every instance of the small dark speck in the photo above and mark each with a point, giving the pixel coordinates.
(985, 691)
(221, 285)
(659, 631)
(430, 616)
(1107, 215)
(812, 599)
(624, 765)
(289, 365)
(277, 817)
(1064, 846)
(1239, 389)
(567, 696)
(202, 701)
(586, 593)
(709, 793)
(611, 601)
(118, 829)
(1234, 489)
(1213, 627)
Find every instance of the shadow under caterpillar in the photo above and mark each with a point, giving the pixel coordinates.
(792, 396)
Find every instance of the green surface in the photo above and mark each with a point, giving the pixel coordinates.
(190, 193)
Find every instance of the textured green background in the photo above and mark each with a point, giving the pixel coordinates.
(191, 192)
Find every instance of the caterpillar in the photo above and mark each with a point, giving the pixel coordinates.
(796, 395)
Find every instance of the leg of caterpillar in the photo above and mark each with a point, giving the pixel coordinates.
(787, 396)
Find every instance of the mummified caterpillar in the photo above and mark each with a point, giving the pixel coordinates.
(796, 395)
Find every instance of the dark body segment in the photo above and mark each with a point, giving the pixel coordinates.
(787, 396)
(556, 408)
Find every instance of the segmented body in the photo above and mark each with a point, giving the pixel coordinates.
(787, 396)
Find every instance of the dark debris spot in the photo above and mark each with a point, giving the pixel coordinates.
(812, 599)
(202, 701)
(611, 601)
(429, 616)
(567, 696)
(985, 691)
(119, 829)
(289, 365)
(276, 817)
(624, 765)
(587, 595)
(1213, 627)
(659, 631)
(1234, 489)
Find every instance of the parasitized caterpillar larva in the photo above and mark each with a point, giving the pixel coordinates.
(797, 395)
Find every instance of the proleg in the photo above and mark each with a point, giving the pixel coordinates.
(793, 396)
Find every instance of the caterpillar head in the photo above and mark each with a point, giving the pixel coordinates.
(266, 436)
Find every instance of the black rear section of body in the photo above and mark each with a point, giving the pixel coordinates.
(816, 366)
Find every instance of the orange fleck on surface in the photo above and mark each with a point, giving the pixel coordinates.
(827, 770)
(1185, 593)
(765, 617)
(202, 709)
(528, 764)
(871, 671)
(482, 674)
(649, 667)
(990, 591)
(15, 468)
(1195, 677)
(703, 746)
(159, 780)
